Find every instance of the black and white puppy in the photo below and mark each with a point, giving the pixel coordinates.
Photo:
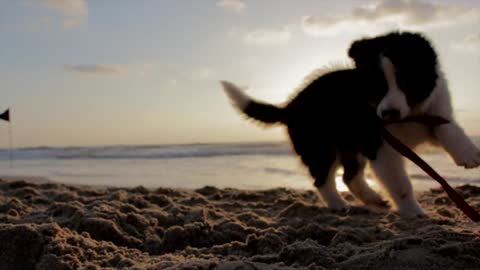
(336, 118)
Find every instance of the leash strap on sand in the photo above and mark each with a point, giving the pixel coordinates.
(408, 153)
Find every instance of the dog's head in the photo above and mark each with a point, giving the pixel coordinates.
(408, 64)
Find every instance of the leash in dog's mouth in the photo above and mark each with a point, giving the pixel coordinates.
(430, 121)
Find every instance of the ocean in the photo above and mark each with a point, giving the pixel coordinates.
(241, 165)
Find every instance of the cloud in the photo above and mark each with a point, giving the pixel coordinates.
(318, 26)
(140, 69)
(268, 36)
(414, 12)
(74, 12)
(96, 69)
(232, 5)
(391, 13)
(70, 13)
(470, 43)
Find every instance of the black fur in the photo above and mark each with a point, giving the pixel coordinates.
(330, 119)
(263, 112)
(334, 117)
(412, 55)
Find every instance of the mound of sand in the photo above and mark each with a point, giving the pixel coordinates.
(55, 226)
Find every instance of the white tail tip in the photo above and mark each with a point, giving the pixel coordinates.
(238, 97)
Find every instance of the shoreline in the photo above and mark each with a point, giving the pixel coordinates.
(420, 183)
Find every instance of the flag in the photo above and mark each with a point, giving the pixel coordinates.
(5, 115)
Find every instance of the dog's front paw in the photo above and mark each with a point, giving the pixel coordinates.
(467, 156)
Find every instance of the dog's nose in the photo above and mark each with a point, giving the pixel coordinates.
(391, 114)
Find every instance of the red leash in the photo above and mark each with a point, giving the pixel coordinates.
(408, 153)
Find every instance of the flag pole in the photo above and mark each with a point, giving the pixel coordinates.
(10, 152)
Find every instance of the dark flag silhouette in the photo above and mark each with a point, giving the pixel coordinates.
(5, 115)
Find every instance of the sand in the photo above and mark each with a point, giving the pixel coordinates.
(55, 226)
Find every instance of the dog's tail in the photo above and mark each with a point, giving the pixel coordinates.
(265, 113)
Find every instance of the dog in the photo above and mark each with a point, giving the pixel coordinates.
(336, 118)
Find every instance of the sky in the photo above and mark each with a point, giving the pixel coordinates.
(110, 72)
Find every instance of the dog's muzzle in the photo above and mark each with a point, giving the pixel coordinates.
(390, 114)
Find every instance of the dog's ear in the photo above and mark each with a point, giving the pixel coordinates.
(364, 50)
(357, 48)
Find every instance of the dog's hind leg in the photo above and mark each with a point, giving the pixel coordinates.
(323, 170)
(391, 173)
(354, 178)
(321, 161)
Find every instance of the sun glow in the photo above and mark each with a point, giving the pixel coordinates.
(341, 187)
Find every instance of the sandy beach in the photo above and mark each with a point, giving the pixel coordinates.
(55, 226)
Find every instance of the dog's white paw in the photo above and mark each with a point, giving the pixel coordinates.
(462, 150)
(338, 205)
(410, 210)
(467, 156)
